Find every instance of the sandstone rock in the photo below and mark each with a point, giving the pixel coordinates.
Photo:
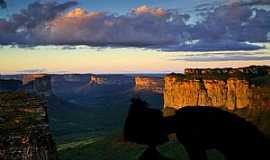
(116, 79)
(39, 85)
(24, 132)
(251, 71)
(97, 80)
(154, 84)
(31, 77)
(232, 93)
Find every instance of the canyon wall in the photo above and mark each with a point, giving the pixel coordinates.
(231, 93)
(24, 131)
(39, 85)
(230, 88)
(110, 79)
(153, 84)
(31, 77)
(251, 70)
(97, 80)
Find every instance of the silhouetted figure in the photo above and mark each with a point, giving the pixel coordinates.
(3, 4)
(198, 129)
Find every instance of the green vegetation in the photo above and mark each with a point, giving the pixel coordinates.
(112, 147)
(17, 113)
(257, 75)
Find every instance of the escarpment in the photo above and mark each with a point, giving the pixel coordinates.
(225, 88)
(154, 84)
(110, 79)
(24, 131)
(97, 80)
(31, 77)
(231, 93)
(40, 86)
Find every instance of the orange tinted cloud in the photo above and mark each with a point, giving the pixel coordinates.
(147, 10)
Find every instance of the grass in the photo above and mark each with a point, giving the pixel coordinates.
(112, 147)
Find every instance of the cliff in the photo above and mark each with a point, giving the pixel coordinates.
(31, 77)
(24, 131)
(110, 79)
(39, 85)
(231, 94)
(153, 84)
(97, 80)
(230, 88)
(225, 73)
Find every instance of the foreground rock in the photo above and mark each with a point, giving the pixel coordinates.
(24, 131)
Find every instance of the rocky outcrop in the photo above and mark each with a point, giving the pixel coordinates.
(10, 85)
(250, 71)
(153, 84)
(229, 88)
(231, 94)
(39, 85)
(97, 80)
(31, 77)
(24, 131)
(110, 80)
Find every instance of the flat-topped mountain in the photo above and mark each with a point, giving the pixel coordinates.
(225, 73)
(97, 80)
(39, 85)
(24, 131)
(230, 88)
(104, 79)
(153, 84)
(31, 77)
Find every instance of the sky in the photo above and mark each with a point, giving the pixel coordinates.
(120, 36)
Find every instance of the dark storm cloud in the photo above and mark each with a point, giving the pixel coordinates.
(238, 21)
(222, 27)
(252, 2)
(20, 27)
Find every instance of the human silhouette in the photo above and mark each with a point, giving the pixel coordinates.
(198, 129)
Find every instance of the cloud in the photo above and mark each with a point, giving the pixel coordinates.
(212, 45)
(223, 27)
(147, 10)
(223, 56)
(142, 26)
(250, 2)
(42, 70)
(238, 21)
(21, 27)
